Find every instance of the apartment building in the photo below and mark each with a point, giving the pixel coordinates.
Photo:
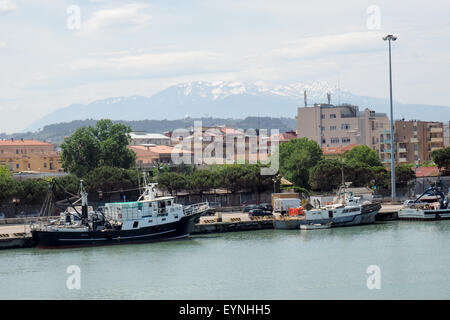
(144, 138)
(415, 140)
(447, 134)
(333, 126)
(29, 155)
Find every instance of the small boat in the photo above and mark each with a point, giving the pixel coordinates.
(315, 226)
(150, 218)
(420, 209)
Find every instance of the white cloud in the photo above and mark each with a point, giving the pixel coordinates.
(139, 64)
(329, 44)
(124, 19)
(7, 7)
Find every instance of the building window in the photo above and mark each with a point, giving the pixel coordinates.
(334, 140)
(332, 116)
(45, 164)
(323, 116)
(17, 166)
(332, 128)
(345, 126)
(345, 140)
(17, 151)
(323, 128)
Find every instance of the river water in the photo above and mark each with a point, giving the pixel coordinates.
(413, 260)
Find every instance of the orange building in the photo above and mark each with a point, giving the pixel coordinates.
(29, 155)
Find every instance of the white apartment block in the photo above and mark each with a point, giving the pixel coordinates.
(332, 126)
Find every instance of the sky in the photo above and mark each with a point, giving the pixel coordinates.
(56, 53)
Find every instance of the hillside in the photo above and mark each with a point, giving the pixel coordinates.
(231, 100)
(55, 133)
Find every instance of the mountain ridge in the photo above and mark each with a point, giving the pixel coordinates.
(231, 99)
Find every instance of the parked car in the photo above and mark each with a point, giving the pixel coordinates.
(409, 203)
(266, 206)
(259, 213)
(250, 207)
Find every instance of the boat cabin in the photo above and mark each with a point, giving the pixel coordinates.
(144, 213)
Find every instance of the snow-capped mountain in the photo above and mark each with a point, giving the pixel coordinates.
(231, 99)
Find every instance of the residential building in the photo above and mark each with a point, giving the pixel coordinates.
(447, 134)
(144, 138)
(29, 155)
(415, 140)
(333, 126)
(152, 155)
(213, 140)
(284, 137)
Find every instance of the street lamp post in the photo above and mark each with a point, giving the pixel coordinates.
(390, 38)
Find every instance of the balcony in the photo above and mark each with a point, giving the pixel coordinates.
(433, 130)
(435, 148)
(402, 160)
(414, 140)
(402, 150)
(437, 139)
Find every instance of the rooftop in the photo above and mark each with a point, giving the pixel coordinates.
(328, 151)
(21, 142)
(148, 150)
(426, 171)
(146, 135)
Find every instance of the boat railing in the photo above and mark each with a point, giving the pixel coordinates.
(195, 208)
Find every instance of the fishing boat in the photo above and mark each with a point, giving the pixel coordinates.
(150, 218)
(345, 210)
(436, 207)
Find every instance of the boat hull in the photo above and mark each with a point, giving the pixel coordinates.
(367, 215)
(68, 239)
(423, 215)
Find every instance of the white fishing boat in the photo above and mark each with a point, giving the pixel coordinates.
(345, 210)
(436, 207)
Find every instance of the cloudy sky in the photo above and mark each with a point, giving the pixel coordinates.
(55, 53)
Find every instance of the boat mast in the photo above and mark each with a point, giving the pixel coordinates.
(84, 204)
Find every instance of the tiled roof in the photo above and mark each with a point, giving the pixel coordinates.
(153, 149)
(23, 143)
(337, 150)
(426, 171)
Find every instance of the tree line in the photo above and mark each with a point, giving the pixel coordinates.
(303, 163)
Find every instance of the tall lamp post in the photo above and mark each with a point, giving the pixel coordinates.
(390, 38)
